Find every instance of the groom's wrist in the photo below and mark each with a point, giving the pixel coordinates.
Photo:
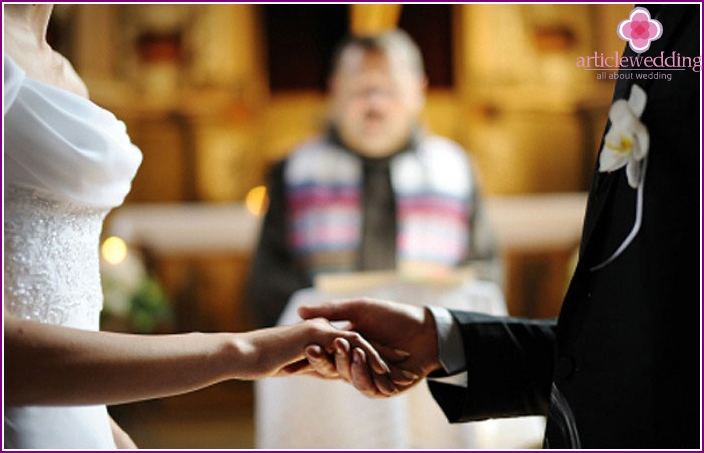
(451, 355)
(430, 327)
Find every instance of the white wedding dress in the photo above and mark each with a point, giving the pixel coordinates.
(67, 162)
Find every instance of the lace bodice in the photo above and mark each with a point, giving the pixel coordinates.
(51, 259)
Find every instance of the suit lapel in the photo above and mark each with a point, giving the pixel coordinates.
(603, 183)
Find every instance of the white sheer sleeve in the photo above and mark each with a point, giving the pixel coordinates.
(12, 81)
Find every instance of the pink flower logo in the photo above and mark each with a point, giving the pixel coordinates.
(639, 30)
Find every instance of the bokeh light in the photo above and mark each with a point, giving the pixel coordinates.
(114, 250)
(257, 201)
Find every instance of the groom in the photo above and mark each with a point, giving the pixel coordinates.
(621, 366)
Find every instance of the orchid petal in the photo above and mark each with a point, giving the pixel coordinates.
(634, 173)
(641, 142)
(637, 100)
(620, 111)
(609, 160)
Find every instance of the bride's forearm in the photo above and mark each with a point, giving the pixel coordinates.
(54, 365)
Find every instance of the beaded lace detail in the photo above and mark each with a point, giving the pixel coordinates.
(51, 268)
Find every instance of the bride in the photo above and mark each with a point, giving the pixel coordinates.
(67, 163)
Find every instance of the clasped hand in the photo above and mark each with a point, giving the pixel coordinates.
(386, 347)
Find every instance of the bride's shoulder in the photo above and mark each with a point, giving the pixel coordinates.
(48, 67)
(69, 78)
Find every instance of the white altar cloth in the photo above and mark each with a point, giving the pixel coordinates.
(307, 413)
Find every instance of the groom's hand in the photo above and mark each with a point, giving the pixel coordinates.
(404, 335)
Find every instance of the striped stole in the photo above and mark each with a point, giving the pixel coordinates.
(432, 184)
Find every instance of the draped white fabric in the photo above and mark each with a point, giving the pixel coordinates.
(61, 144)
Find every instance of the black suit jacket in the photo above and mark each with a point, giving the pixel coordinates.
(621, 367)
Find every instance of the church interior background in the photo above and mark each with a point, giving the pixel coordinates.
(215, 93)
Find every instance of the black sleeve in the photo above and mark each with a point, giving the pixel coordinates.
(509, 366)
(273, 275)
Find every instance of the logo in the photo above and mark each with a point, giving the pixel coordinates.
(639, 30)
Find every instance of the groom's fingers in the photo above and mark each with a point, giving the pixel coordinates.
(295, 367)
(318, 311)
(384, 385)
(303, 367)
(391, 355)
(333, 311)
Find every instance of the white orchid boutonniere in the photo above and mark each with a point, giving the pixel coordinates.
(626, 143)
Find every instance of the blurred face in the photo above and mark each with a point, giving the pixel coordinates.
(376, 101)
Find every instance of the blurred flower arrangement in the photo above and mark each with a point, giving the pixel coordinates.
(133, 299)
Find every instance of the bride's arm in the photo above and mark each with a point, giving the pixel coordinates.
(54, 365)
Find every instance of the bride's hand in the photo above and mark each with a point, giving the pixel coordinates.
(281, 351)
